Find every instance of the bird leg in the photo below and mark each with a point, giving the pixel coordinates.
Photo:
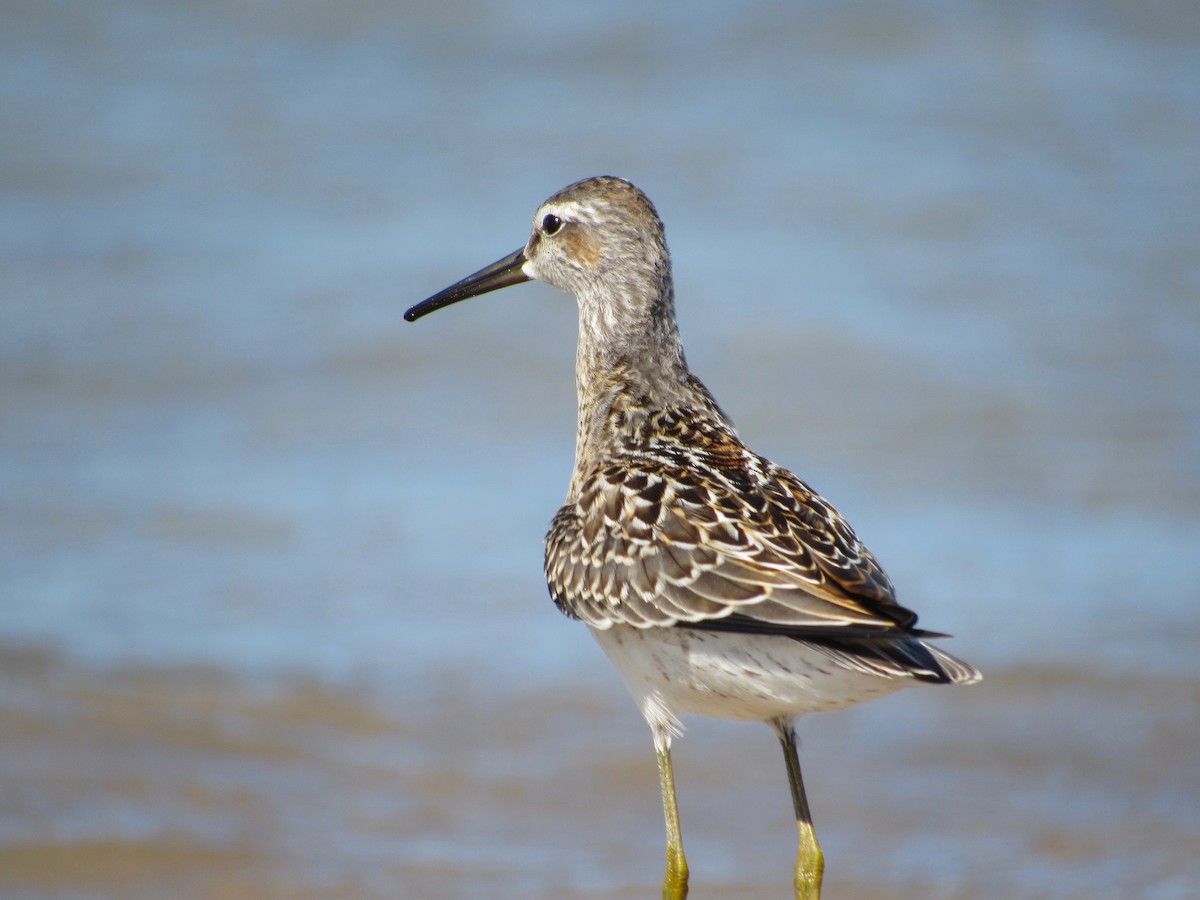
(675, 881)
(810, 862)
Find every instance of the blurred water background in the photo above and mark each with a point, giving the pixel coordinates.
(272, 618)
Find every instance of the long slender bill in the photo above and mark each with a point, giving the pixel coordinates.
(500, 274)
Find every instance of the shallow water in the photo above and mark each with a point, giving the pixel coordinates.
(272, 620)
(188, 781)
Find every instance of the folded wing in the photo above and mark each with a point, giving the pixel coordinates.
(732, 543)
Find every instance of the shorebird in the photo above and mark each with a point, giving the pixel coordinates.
(717, 582)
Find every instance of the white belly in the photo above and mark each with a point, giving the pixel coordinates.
(673, 671)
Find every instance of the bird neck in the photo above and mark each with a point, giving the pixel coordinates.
(629, 365)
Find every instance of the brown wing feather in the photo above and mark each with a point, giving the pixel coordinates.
(688, 534)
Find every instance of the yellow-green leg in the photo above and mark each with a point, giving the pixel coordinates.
(810, 862)
(675, 881)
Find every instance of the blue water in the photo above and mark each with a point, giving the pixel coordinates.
(940, 259)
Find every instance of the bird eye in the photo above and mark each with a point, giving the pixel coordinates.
(551, 224)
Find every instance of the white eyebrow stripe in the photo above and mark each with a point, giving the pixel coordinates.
(568, 210)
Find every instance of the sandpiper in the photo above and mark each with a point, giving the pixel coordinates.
(716, 581)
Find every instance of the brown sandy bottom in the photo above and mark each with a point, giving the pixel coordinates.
(194, 783)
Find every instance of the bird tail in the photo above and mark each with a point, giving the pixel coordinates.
(955, 670)
(903, 657)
